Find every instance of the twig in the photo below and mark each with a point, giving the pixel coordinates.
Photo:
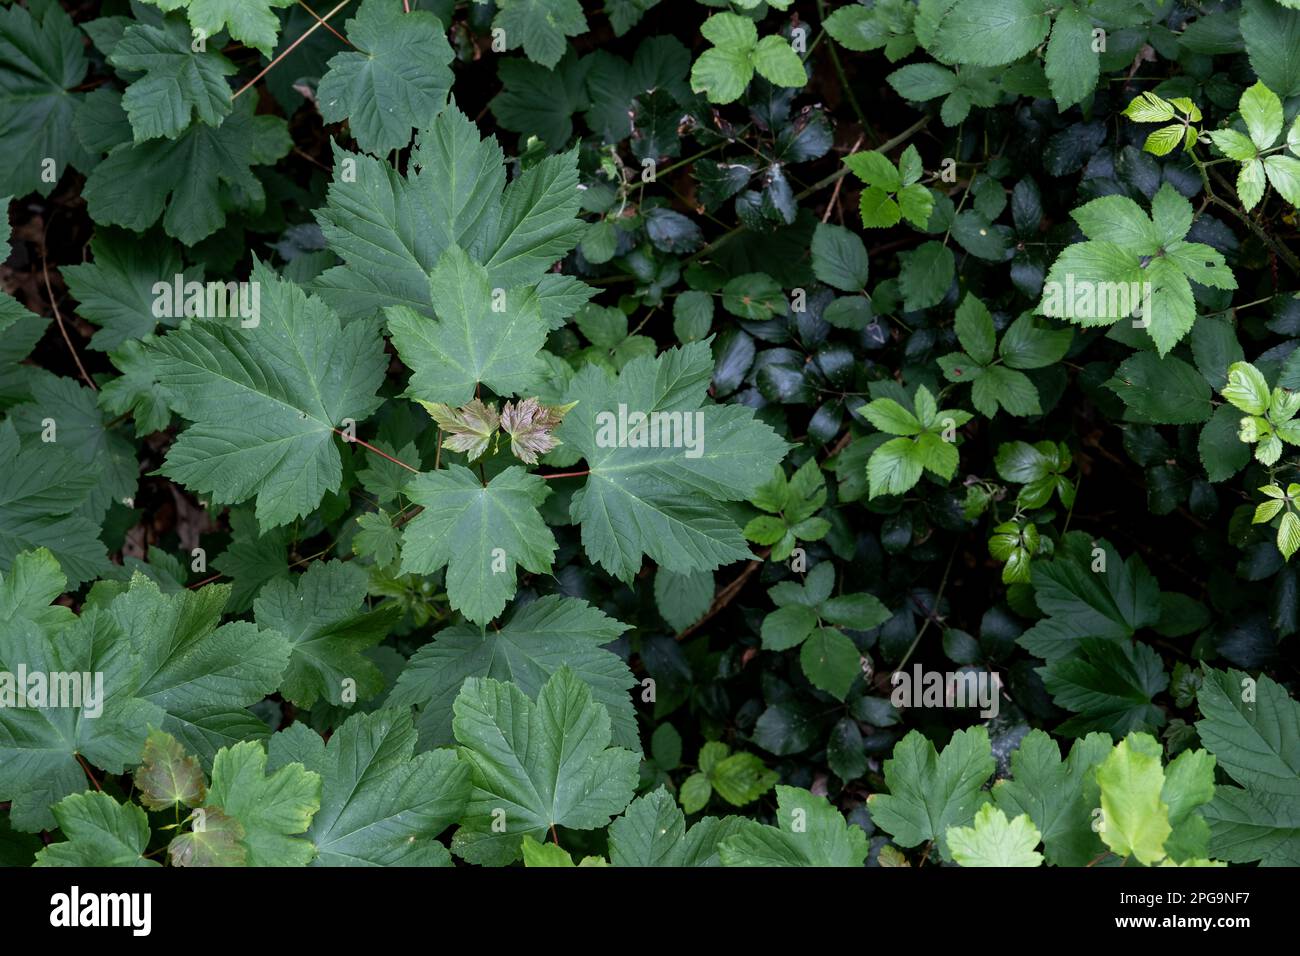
(58, 317)
(292, 46)
(727, 594)
(303, 4)
(835, 196)
(925, 625)
(369, 447)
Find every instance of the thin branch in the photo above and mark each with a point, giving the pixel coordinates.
(58, 317)
(303, 4)
(292, 46)
(934, 610)
(835, 195)
(727, 594)
(369, 447)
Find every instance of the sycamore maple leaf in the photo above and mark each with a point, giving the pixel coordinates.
(656, 487)
(265, 401)
(391, 230)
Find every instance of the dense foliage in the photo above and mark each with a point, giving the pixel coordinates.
(765, 432)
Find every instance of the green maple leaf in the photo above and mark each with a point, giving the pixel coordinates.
(534, 766)
(1257, 743)
(381, 804)
(201, 673)
(265, 401)
(401, 80)
(40, 743)
(472, 341)
(537, 101)
(930, 792)
(249, 21)
(1109, 685)
(99, 831)
(115, 290)
(196, 178)
(539, 26)
(479, 533)
(178, 84)
(41, 60)
(1089, 591)
(274, 808)
(1128, 252)
(323, 616)
(663, 502)
(652, 832)
(167, 776)
(43, 490)
(390, 230)
(725, 69)
(536, 640)
(1055, 794)
(996, 841)
(810, 832)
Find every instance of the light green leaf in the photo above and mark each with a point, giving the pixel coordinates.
(775, 60)
(930, 792)
(535, 765)
(179, 84)
(323, 616)
(1135, 821)
(274, 810)
(809, 832)
(531, 645)
(1261, 111)
(400, 81)
(481, 335)
(996, 841)
(381, 803)
(100, 832)
(265, 401)
(479, 533)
